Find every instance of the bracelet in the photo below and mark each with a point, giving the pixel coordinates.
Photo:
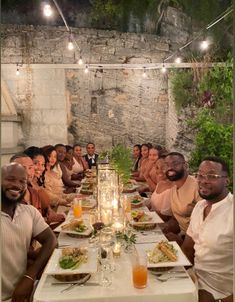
(29, 277)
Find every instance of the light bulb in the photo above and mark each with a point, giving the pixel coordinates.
(163, 69)
(47, 10)
(17, 72)
(144, 75)
(70, 45)
(178, 60)
(204, 45)
(80, 62)
(86, 69)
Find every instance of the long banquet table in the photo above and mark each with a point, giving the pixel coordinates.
(121, 289)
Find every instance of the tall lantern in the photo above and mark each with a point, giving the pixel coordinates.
(107, 192)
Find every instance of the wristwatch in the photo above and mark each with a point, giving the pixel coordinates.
(218, 300)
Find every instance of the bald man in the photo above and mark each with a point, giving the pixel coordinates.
(20, 224)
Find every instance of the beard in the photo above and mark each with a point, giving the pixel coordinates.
(7, 201)
(177, 176)
(210, 197)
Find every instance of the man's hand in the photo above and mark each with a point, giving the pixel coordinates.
(23, 290)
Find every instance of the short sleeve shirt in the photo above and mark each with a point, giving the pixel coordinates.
(16, 236)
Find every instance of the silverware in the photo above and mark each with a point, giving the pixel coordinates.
(71, 286)
(165, 278)
(167, 273)
(73, 283)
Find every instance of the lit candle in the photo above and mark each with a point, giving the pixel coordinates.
(117, 249)
(117, 226)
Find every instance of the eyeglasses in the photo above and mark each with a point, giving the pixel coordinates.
(174, 164)
(209, 177)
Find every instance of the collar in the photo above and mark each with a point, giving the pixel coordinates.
(91, 157)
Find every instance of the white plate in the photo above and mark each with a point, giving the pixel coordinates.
(87, 232)
(153, 215)
(53, 267)
(181, 258)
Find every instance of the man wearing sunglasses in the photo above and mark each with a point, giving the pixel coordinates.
(209, 240)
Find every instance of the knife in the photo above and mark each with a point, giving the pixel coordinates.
(77, 283)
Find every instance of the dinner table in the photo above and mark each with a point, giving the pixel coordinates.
(177, 286)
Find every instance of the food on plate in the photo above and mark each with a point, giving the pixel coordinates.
(162, 252)
(75, 225)
(136, 199)
(72, 258)
(140, 216)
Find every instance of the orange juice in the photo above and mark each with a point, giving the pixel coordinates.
(139, 276)
(127, 206)
(77, 208)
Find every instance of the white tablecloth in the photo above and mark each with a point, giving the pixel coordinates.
(122, 289)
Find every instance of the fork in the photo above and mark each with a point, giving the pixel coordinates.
(166, 278)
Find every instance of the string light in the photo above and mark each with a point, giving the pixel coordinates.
(144, 75)
(163, 68)
(204, 45)
(17, 70)
(80, 61)
(70, 44)
(86, 69)
(178, 60)
(47, 10)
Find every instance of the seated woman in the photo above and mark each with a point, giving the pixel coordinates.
(136, 157)
(38, 158)
(160, 200)
(80, 164)
(53, 179)
(65, 162)
(139, 175)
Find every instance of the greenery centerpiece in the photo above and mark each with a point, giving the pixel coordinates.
(119, 157)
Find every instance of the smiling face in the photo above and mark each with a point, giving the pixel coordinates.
(212, 190)
(160, 169)
(175, 167)
(14, 183)
(144, 151)
(153, 154)
(61, 152)
(52, 158)
(90, 149)
(27, 163)
(77, 151)
(39, 165)
(136, 152)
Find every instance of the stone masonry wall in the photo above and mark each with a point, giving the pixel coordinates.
(62, 104)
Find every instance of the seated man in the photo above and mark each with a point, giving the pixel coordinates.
(20, 224)
(183, 195)
(91, 157)
(209, 239)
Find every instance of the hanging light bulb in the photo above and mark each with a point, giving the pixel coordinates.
(80, 61)
(178, 60)
(204, 45)
(70, 44)
(86, 69)
(47, 10)
(144, 75)
(163, 68)
(17, 71)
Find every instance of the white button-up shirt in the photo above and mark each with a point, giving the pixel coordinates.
(16, 236)
(213, 239)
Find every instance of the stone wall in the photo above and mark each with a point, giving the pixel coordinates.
(59, 103)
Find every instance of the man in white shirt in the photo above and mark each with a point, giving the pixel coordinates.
(20, 224)
(209, 239)
(91, 157)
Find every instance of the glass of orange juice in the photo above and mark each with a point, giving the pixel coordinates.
(139, 271)
(77, 208)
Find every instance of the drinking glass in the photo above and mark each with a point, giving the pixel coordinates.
(77, 208)
(139, 270)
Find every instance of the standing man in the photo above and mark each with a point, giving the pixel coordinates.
(183, 196)
(20, 224)
(91, 157)
(209, 239)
